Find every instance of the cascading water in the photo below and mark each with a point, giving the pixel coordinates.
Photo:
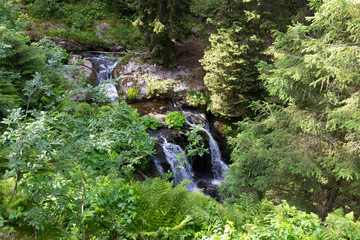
(218, 166)
(157, 163)
(181, 169)
(105, 66)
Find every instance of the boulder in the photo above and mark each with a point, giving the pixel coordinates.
(151, 80)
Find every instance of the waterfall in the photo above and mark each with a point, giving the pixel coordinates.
(218, 166)
(105, 66)
(181, 169)
(157, 163)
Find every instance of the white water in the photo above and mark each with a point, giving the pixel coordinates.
(106, 65)
(181, 169)
(157, 163)
(218, 166)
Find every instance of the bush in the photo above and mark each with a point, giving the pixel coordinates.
(158, 87)
(106, 108)
(198, 99)
(45, 8)
(150, 122)
(84, 109)
(133, 93)
(175, 120)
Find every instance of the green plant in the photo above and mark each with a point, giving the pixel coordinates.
(82, 158)
(84, 110)
(157, 87)
(198, 99)
(133, 93)
(196, 146)
(305, 150)
(30, 72)
(165, 210)
(106, 108)
(150, 122)
(45, 8)
(127, 57)
(160, 22)
(175, 120)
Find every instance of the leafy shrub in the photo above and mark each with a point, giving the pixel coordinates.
(51, 50)
(106, 108)
(158, 87)
(175, 120)
(45, 8)
(196, 146)
(150, 122)
(83, 16)
(198, 99)
(25, 75)
(133, 93)
(84, 109)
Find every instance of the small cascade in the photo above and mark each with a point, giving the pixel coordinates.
(182, 169)
(218, 166)
(157, 163)
(105, 66)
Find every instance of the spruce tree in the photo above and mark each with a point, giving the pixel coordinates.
(306, 149)
(231, 70)
(162, 22)
(240, 43)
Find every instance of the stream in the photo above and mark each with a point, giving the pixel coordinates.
(218, 165)
(104, 66)
(209, 170)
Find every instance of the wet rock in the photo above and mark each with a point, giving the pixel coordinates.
(160, 156)
(202, 166)
(195, 117)
(195, 30)
(208, 188)
(152, 107)
(117, 48)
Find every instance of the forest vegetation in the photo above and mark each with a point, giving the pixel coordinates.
(285, 75)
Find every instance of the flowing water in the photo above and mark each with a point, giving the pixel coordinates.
(179, 164)
(218, 166)
(105, 65)
(174, 154)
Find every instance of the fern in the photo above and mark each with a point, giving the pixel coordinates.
(162, 207)
(243, 211)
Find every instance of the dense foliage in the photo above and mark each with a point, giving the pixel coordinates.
(306, 151)
(150, 122)
(161, 23)
(175, 120)
(29, 73)
(237, 46)
(230, 62)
